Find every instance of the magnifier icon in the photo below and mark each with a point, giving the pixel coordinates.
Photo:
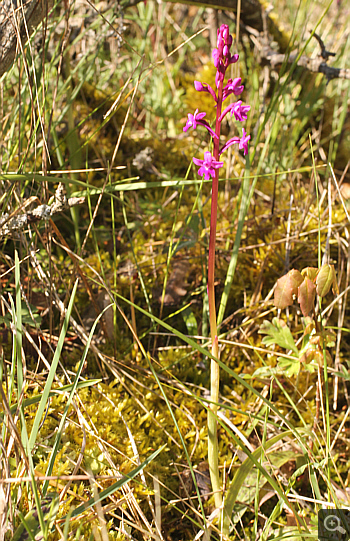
(332, 524)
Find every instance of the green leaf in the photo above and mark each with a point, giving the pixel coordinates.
(45, 394)
(254, 479)
(325, 279)
(6, 320)
(190, 321)
(67, 406)
(310, 272)
(32, 319)
(264, 372)
(278, 333)
(343, 374)
(289, 367)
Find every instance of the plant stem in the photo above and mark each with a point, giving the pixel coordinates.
(213, 457)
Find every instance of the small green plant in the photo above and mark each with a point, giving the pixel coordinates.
(302, 286)
(312, 352)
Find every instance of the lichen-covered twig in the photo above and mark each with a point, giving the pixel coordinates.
(10, 223)
(315, 65)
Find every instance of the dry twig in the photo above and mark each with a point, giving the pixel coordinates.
(9, 223)
(315, 65)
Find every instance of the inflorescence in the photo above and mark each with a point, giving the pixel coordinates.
(222, 58)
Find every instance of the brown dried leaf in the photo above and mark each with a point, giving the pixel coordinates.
(287, 288)
(306, 296)
(202, 476)
(176, 287)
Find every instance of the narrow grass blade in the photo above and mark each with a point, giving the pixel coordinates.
(51, 375)
(18, 327)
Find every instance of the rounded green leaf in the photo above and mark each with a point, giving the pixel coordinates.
(325, 279)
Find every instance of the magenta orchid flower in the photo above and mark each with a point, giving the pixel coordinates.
(204, 87)
(243, 144)
(240, 111)
(197, 119)
(233, 87)
(193, 120)
(207, 166)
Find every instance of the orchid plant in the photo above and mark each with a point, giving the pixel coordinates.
(209, 167)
